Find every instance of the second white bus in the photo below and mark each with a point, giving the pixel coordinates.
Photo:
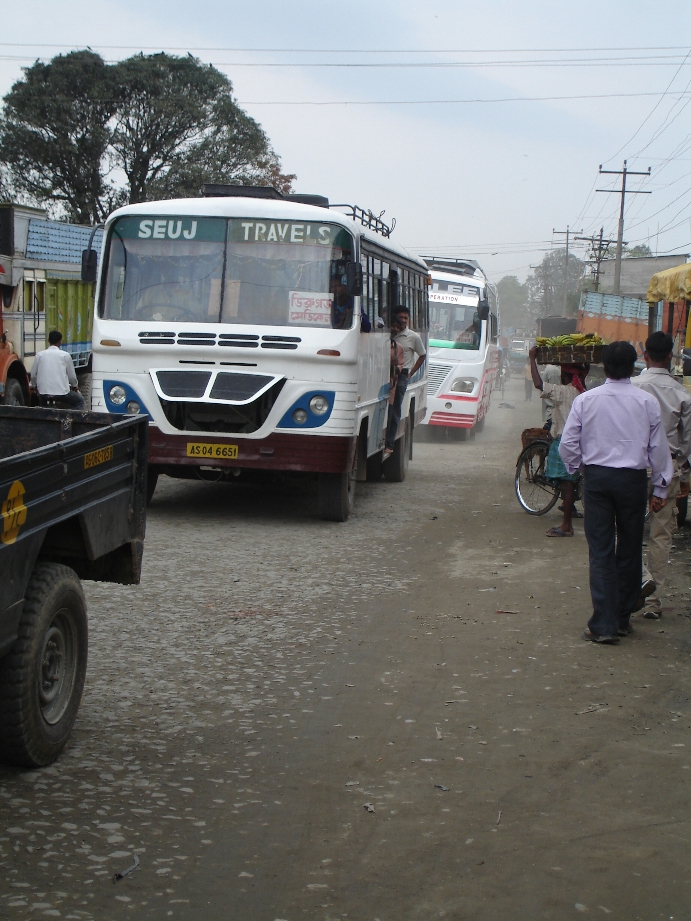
(463, 347)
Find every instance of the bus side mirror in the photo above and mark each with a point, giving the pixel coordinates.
(483, 310)
(89, 265)
(353, 279)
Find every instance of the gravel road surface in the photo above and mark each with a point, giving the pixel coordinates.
(392, 718)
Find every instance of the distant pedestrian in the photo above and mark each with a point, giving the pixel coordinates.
(614, 433)
(53, 376)
(675, 407)
(528, 382)
(561, 396)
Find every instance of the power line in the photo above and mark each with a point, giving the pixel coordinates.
(432, 102)
(188, 48)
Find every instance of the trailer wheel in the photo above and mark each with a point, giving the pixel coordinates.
(42, 677)
(396, 466)
(13, 393)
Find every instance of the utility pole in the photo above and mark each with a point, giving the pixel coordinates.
(620, 232)
(566, 265)
(599, 248)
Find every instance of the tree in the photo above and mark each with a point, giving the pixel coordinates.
(635, 252)
(168, 124)
(513, 298)
(56, 131)
(546, 285)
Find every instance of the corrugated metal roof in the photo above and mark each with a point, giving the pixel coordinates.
(54, 241)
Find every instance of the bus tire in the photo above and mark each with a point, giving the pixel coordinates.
(42, 677)
(375, 467)
(396, 466)
(336, 493)
(480, 425)
(14, 395)
(151, 481)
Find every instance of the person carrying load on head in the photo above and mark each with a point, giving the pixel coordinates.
(561, 396)
(53, 376)
(675, 408)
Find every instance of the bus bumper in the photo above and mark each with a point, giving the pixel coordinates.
(278, 451)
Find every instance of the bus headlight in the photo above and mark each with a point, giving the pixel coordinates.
(133, 407)
(117, 395)
(319, 405)
(300, 416)
(463, 385)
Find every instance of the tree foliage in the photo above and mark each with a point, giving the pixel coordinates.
(86, 136)
(513, 299)
(546, 285)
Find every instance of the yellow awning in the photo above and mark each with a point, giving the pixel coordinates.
(671, 285)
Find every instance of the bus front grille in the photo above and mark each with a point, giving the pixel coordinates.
(223, 418)
(436, 375)
(188, 384)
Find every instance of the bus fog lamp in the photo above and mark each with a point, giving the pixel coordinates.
(319, 405)
(117, 395)
(448, 405)
(463, 385)
(133, 407)
(300, 416)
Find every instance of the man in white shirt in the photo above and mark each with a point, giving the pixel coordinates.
(675, 408)
(413, 356)
(52, 375)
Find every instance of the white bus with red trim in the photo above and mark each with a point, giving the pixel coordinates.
(237, 322)
(463, 349)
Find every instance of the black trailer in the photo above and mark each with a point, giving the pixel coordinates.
(73, 500)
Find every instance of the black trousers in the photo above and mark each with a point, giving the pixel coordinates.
(614, 502)
(71, 400)
(394, 419)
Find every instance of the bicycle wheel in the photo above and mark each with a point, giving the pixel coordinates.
(534, 491)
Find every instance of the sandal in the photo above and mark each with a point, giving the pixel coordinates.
(557, 532)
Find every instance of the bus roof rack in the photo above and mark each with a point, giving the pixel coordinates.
(368, 219)
(456, 266)
(214, 190)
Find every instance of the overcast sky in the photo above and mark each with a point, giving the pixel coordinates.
(489, 180)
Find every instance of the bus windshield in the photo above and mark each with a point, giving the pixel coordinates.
(453, 326)
(235, 270)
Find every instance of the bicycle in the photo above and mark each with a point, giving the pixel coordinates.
(536, 492)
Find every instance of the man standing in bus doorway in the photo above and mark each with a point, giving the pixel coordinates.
(561, 396)
(675, 407)
(53, 376)
(412, 346)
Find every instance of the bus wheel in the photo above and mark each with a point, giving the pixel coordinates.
(396, 467)
(479, 427)
(375, 467)
(336, 493)
(151, 481)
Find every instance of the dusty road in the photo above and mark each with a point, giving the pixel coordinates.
(390, 719)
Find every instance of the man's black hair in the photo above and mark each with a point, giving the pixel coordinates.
(619, 359)
(659, 345)
(401, 309)
(54, 337)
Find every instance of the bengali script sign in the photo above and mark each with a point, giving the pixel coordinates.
(308, 308)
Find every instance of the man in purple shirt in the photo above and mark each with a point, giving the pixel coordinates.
(614, 433)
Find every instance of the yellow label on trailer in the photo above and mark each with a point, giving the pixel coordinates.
(213, 451)
(94, 458)
(13, 513)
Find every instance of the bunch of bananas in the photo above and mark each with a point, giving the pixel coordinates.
(570, 339)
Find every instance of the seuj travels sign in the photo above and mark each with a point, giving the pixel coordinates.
(239, 230)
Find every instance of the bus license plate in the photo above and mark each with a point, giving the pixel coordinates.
(195, 449)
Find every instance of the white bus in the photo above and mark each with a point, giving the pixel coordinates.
(463, 349)
(236, 321)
